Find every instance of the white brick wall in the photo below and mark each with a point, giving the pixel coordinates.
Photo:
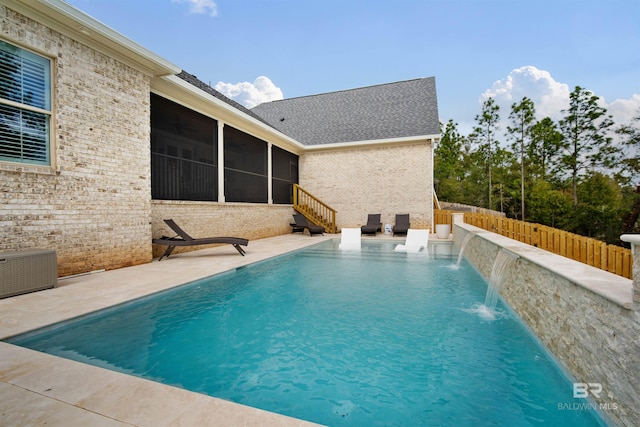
(388, 180)
(94, 206)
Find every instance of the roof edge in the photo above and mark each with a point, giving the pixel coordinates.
(346, 90)
(229, 109)
(372, 143)
(72, 22)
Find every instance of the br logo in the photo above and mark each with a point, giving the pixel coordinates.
(582, 390)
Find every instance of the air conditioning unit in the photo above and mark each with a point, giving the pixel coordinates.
(27, 271)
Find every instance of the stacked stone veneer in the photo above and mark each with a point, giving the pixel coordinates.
(388, 179)
(205, 219)
(594, 338)
(93, 205)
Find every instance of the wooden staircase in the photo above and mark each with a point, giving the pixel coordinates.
(314, 209)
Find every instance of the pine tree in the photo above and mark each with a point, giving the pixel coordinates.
(586, 144)
(522, 117)
(546, 142)
(448, 163)
(484, 133)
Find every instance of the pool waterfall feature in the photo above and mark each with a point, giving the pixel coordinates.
(584, 316)
(463, 245)
(504, 261)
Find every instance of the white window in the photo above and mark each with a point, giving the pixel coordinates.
(25, 106)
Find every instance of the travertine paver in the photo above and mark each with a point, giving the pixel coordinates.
(39, 389)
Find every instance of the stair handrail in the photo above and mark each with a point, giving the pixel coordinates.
(314, 209)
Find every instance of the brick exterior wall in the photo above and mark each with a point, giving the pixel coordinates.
(595, 339)
(208, 219)
(388, 180)
(93, 206)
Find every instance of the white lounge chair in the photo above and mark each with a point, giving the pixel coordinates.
(350, 239)
(416, 240)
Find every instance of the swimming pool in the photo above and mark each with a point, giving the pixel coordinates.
(381, 339)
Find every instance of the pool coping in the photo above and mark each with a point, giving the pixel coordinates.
(609, 286)
(39, 388)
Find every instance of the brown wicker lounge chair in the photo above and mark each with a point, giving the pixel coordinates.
(302, 224)
(183, 239)
(373, 224)
(402, 224)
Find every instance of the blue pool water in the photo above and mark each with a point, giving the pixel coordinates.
(375, 338)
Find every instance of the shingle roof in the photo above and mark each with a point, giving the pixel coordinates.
(393, 110)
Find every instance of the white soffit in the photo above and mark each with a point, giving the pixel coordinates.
(79, 26)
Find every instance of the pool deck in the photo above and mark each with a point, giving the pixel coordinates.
(39, 389)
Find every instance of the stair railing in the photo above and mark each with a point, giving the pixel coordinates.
(314, 209)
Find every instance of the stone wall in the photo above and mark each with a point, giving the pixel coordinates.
(595, 338)
(93, 204)
(209, 219)
(389, 180)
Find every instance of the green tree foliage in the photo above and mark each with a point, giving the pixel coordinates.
(448, 162)
(544, 150)
(630, 134)
(473, 176)
(522, 118)
(487, 125)
(632, 216)
(549, 206)
(571, 174)
(586, 144)
(599, 213)
(506, 186)
(630, 170)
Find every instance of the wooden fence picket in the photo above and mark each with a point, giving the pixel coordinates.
(615, 259)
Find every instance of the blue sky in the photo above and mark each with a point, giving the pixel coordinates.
(257, 50)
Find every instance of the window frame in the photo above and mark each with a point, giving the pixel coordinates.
(47, 64)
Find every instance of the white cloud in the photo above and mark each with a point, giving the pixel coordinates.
(549, 96)
(251, 94)
(624, 110)
(200, 7)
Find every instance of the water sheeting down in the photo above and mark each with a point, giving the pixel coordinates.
(504, 260)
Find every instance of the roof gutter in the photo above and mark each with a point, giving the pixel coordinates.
(372, 143)
(79, 26)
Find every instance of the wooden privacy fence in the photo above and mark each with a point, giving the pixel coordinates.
(612, 258)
